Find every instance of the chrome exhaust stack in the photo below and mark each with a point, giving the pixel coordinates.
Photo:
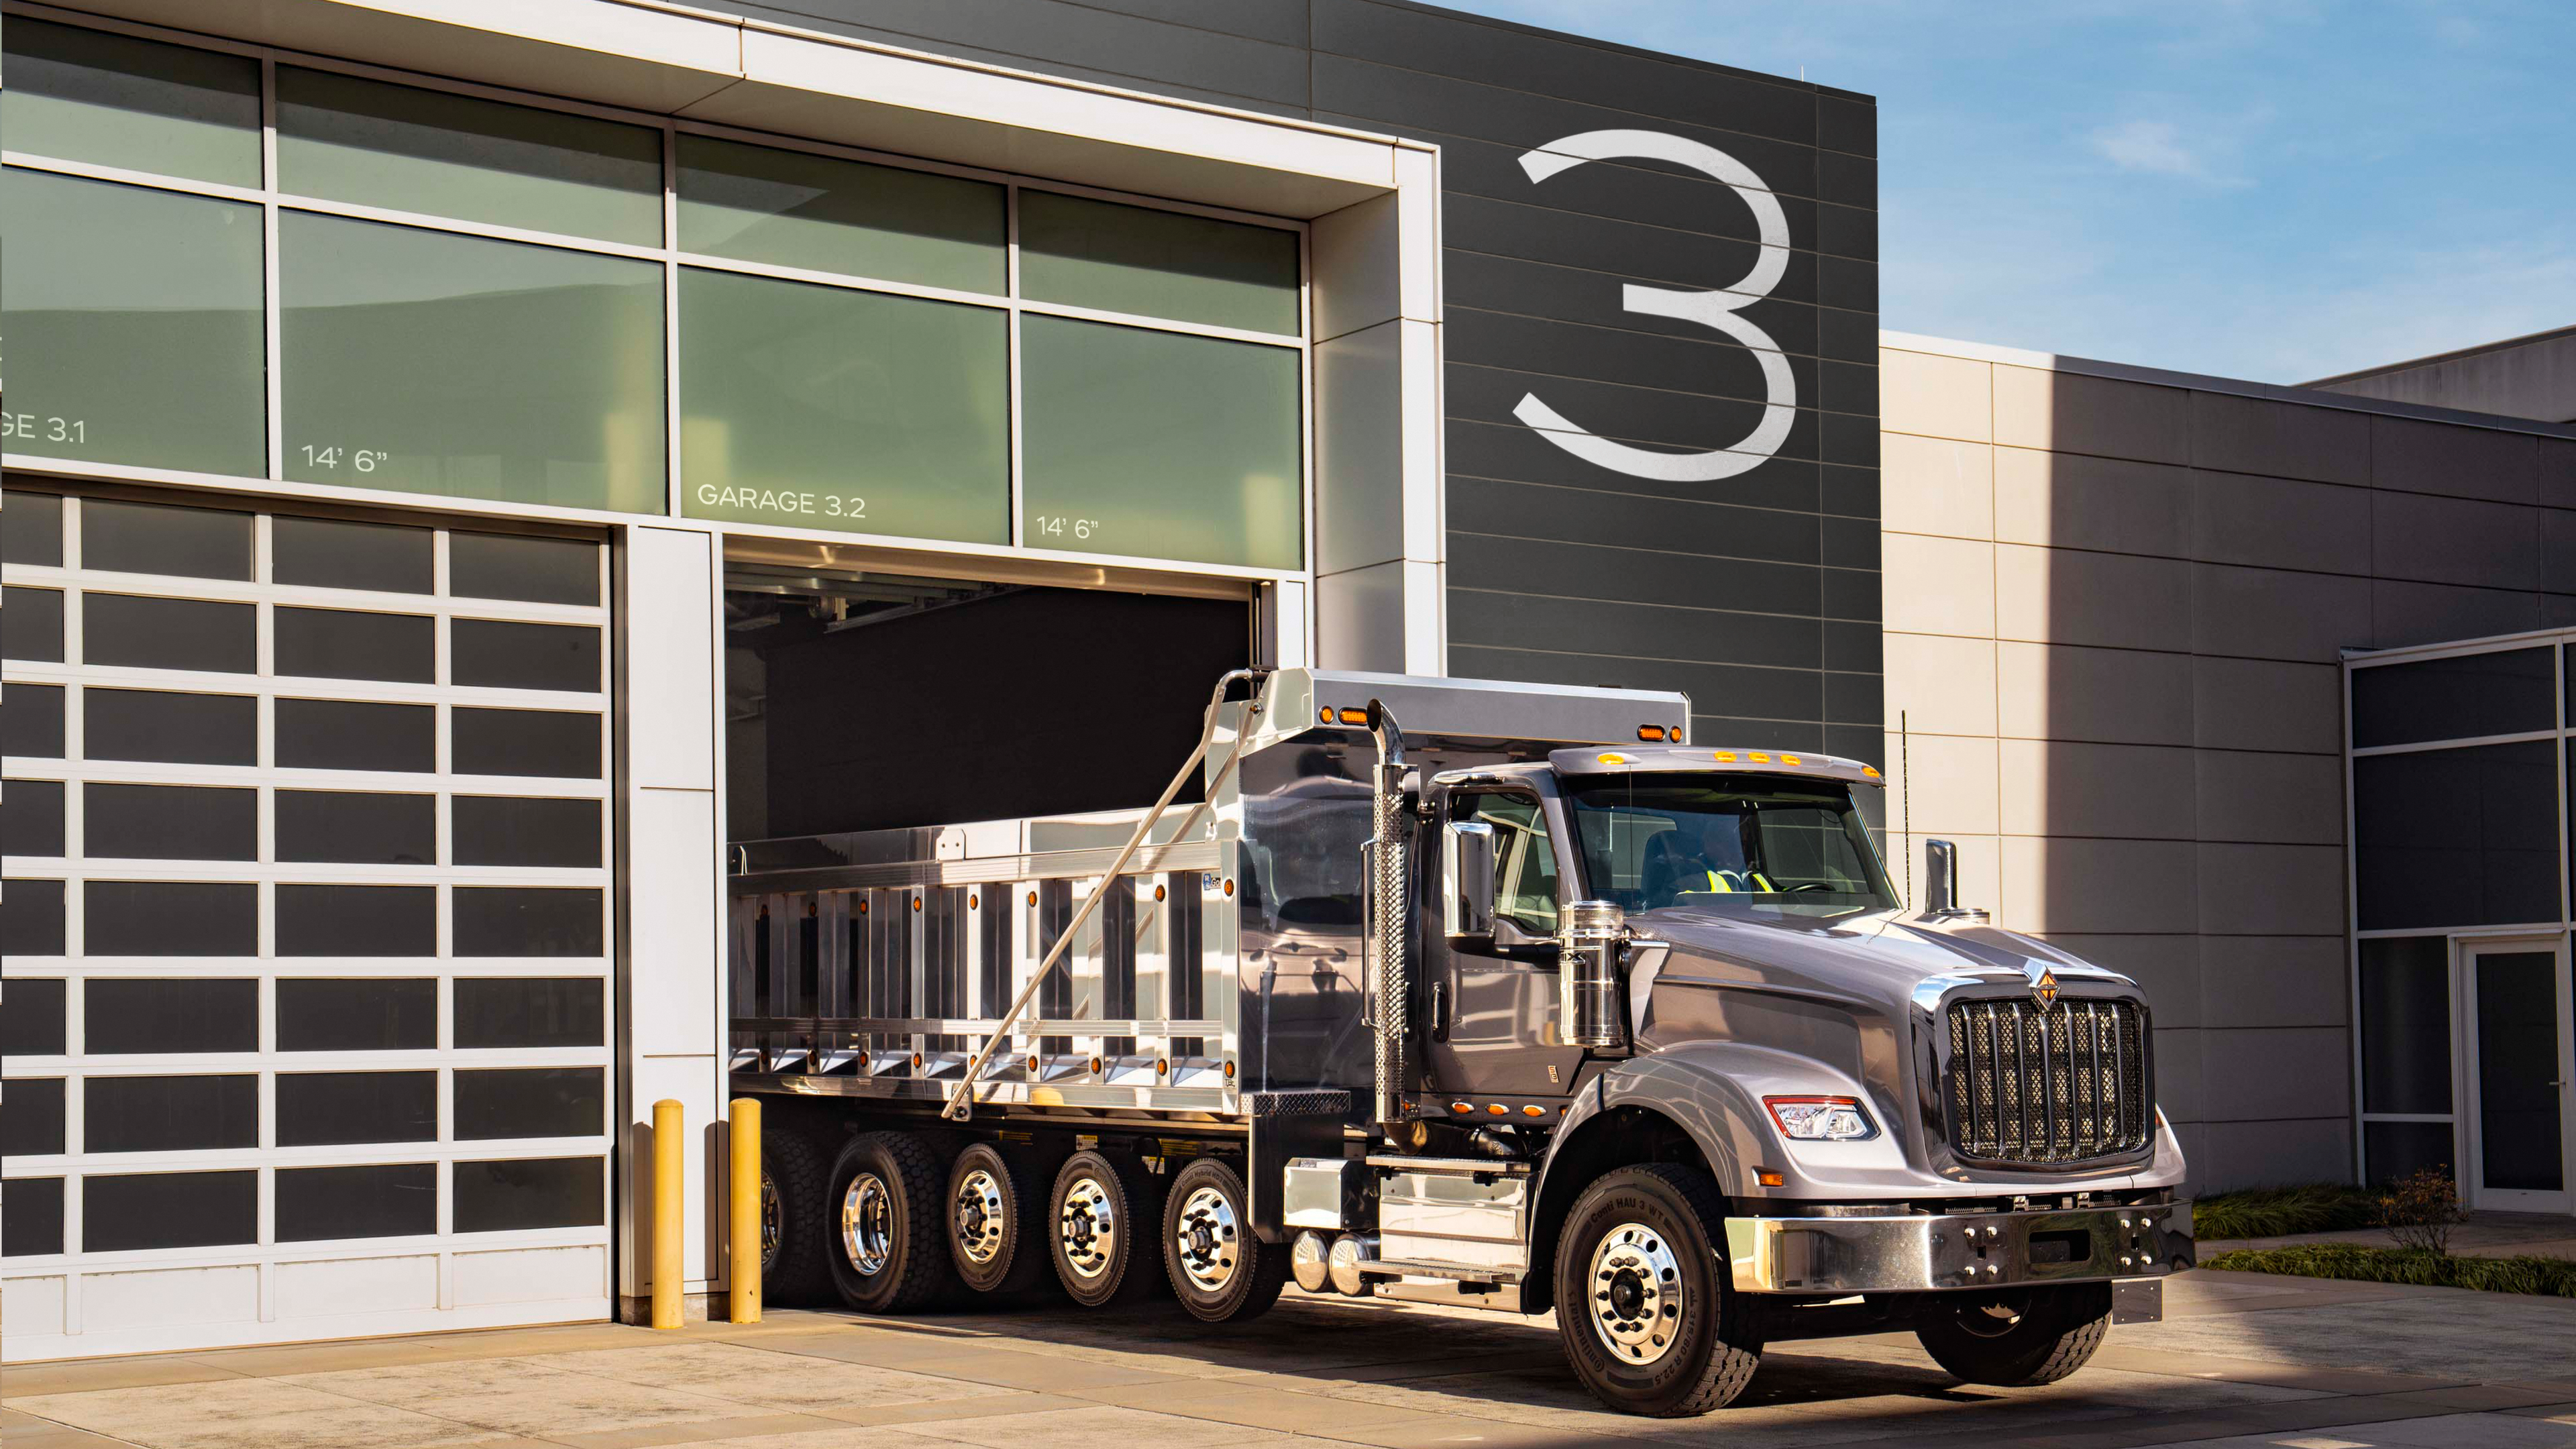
(1388, 913)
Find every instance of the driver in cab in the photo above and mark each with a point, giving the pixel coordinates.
(1684, 864)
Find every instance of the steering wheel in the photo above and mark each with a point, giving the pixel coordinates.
(1811, 885)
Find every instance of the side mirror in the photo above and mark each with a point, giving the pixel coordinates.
(1467, 879)
(1941, 883)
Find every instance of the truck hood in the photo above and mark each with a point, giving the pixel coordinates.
(1874, 959)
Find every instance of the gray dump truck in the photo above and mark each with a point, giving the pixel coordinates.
(1461, 992)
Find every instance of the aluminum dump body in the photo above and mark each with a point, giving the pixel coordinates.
(1226, 959)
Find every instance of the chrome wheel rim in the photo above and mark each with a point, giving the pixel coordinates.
(1088, 1227)
(771, 1226)
(1636, 1292)
(980, 1217)
(1208, 1240)
(867, 1224)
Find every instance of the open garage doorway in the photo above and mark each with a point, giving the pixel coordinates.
(858, 700)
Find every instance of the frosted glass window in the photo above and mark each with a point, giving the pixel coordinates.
(1159, 445)
(349, 139)
(133, 325)
(471, 368)
(825, 408)
(115, 100)
(825, 214)
(1087, 253)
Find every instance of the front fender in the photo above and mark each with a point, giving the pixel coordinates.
(1713, 1091)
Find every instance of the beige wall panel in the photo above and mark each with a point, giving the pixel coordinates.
(2076, 414)
(2265, 704)
(1944, 684)
(2249, 1154)
(2139, 792)
(1936, 485)
(2267, 1073)
(2074, 500)
(2167, 968)
(2271, 890)
(2404, 613)
(1938, 397)
(2240, 518)
(2277, 614)
(1980, 880)
(2271, 981)
(2181, 1074)
(1951, 790)
(2281, 440)
(2455, 541)
(2070, 596)
(2423, 457)
(2114, 696)
(2103, 887)
(1938, 585)
(2270, 799)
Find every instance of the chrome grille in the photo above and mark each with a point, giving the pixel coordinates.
(2046, 1084)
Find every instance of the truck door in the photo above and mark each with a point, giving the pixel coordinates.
(1491, 1026)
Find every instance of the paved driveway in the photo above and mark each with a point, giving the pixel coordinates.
(2241, 1360)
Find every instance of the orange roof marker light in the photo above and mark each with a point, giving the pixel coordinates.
(1651, 734)
(1725, 757)
(1757, 757)
(1789, 759)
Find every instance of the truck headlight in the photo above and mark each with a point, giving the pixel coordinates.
(1821, 1119)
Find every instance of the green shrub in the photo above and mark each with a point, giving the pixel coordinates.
(2275, 1212)
(2549, 1277)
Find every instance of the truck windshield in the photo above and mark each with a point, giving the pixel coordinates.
(1714, 840)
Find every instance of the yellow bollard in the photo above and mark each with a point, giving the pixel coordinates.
(667, 1280)
(746, 1210)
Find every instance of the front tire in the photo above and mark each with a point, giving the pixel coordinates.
(1102, 1220)
(1219, 1270)
(1648, 1321)
(2035, 1337)
(886, 1239)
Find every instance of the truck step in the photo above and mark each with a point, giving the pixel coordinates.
(1458, 1272)
(1452, 1166)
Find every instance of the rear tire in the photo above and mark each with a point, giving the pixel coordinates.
(1220, 1271)
(2037, 1338)
(996, 1216)
(793, 1232)
(885, 1235)
(1648, 1321)
(1102, 1220)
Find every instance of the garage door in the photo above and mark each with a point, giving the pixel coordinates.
(306, 925)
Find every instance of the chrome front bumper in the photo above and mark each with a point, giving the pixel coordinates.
(1917, 1253)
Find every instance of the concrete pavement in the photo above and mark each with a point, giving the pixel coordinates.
(2241, 1359)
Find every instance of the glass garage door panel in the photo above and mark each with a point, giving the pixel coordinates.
(821, 407)
(1159, 445)
(307, 926)
(134, 326)
(458, 365)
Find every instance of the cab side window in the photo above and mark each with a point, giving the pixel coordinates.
(1524, 860)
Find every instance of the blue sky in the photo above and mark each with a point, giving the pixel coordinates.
(2269, 189)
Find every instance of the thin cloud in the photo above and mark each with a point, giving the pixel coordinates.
(2156, 148)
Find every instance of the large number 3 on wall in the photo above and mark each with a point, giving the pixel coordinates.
(1719, 309)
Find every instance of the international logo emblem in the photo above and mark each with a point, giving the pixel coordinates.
(2044, 987)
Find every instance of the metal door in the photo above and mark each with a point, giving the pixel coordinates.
(1493, 1027)
(2518, 1064)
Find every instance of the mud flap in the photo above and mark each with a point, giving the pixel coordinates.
(1286, 1125)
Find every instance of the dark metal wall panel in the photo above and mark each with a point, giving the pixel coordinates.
(1759, 592)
